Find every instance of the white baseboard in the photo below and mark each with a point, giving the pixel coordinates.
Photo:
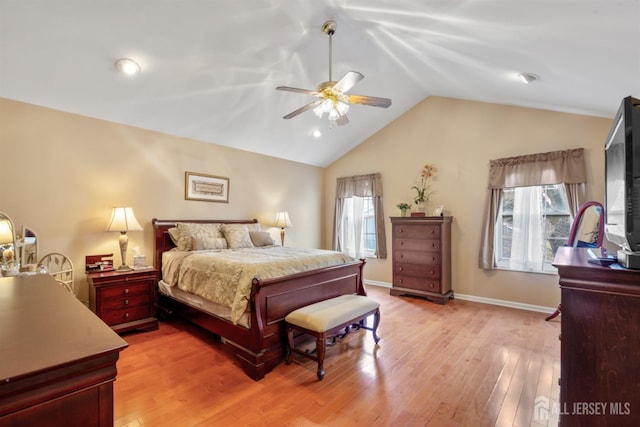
(483, 300)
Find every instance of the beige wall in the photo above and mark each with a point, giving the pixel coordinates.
(460, 137)
(64, 172)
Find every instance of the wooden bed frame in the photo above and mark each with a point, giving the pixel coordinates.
(263, 346)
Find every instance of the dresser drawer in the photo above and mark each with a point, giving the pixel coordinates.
(114, 317)
(417, 283)
(417, 270)
(414, 257)
(420, 245)
(129, 301)
(416, 231)
(132, 288)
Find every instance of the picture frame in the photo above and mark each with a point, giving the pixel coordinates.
(438, 210)
(207, 188)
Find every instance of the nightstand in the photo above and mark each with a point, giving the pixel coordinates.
(124, 300)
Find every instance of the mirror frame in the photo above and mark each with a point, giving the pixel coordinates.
(578, 219)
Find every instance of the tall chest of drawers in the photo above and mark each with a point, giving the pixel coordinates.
(124, 300)
(421, 249)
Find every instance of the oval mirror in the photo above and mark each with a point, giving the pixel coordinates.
(587, 230)
(8, 256)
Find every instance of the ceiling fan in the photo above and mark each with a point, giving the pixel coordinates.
(333, 98)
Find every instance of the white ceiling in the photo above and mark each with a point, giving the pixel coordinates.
(210, 67)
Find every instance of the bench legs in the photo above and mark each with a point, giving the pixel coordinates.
(321, 339)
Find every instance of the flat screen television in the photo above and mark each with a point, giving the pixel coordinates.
(622, 186)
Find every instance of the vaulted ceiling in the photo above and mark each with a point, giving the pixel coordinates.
(210, 67)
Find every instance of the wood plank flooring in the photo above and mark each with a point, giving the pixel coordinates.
(461, 364)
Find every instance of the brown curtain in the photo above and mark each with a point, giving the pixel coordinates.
(361, 186)
(558, 167)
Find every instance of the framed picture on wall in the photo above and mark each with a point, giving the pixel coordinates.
(208, 188)
(438, 210)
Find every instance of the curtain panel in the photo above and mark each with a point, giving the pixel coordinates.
(360, 186)
(557, 167)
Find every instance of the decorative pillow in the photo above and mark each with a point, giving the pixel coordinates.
(237, 236)
(207, 243)
(174, 233)
(189, 230)
(261, 238)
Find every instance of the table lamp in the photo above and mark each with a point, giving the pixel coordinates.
(282, 221)
(123, 220)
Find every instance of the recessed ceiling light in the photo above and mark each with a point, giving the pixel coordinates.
(316, 134)
(528, 78)
(128, 66)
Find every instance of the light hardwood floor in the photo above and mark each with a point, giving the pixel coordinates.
(461, 364)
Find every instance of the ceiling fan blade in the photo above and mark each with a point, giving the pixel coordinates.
(295, 89)
(301, 110)
(348, 81)
(342, 120)
(369, 100)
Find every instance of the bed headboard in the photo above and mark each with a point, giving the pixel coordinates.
(162, 241)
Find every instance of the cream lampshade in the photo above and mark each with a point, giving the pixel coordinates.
(123, 220)
(282, 221)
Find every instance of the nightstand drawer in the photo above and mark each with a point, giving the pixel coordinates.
(120, 303)
(126, 290)
(114, 317)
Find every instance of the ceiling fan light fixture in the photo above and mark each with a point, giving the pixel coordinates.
(128, 66)
(342, 108)
(528, 78)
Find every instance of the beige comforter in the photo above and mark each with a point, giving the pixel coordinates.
(224, 276)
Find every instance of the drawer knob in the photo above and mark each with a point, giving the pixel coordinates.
(401, 268)
(126, 291)
(433, 245)
(126, 315)
(126, 279)
(126, 302)
(432, 272)
(431, 285)
(401, 243)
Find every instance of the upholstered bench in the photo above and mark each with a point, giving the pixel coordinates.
(325, 319)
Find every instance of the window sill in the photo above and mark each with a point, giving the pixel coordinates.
(553, 272)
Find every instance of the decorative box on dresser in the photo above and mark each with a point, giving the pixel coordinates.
(599, 342)
(124, 300)
(421, 249)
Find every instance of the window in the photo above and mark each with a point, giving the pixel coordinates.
(358, 227)
(532, 224)
(530, 201)
(359, 219)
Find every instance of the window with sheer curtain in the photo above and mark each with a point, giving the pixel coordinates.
(359, 218)
(531, 202)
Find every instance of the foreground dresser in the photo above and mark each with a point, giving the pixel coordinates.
(422, 257)
(600, 342)
(57, 358)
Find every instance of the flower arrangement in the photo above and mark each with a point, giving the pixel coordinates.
(403, 206)
(428, 171)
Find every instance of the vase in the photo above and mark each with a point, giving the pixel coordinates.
(403, 212)
(421, 207)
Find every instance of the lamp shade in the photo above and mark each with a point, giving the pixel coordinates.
(282, 220)
(123, 219)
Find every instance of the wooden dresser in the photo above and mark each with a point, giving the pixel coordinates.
(421, 249)
(600, 342)
(124, 300)
(57, 358)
